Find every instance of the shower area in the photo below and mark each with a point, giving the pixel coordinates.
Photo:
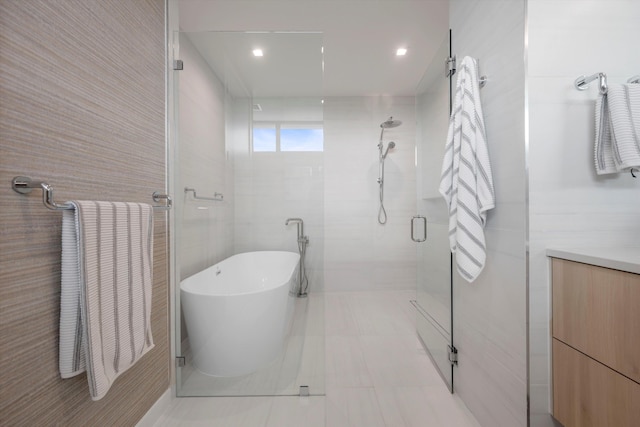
(248, 165)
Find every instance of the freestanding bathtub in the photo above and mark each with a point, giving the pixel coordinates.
(239, 311)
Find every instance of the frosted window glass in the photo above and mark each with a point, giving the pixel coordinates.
(298, 139)
(264, 139)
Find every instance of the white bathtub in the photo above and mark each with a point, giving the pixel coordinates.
(239, 311)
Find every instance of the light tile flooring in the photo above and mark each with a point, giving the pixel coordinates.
(377, 374)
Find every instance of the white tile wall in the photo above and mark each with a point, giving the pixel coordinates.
(569, 204)
(271, 187)
(361, 254)
(206, 235)
(490, 313)
(335, 192)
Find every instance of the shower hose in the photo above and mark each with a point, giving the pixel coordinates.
(304, 281)
(382, 213)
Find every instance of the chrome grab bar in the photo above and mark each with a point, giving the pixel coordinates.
(217, 197)
(424, 238)
(24, 185)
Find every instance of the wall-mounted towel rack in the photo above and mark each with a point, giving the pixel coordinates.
(582, 82)
(450, 70)
(217, 197)
(24, 185)
(482, 80)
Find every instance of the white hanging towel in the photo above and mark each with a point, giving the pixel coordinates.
(105, 309)
(466, 182)
(617, 142)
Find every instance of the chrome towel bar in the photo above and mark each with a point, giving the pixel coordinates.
(217, 197)
(582, 82)
(24, 185)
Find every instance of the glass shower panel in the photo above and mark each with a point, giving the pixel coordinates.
(233, 108)
(433, 299)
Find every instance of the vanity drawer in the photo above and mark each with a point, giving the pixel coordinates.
(596, 310)
(586, 393)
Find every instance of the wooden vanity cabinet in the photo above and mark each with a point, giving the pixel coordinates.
(596, 345)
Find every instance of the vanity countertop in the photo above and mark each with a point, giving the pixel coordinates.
(624, 259)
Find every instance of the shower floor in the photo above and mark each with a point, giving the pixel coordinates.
(377, 374)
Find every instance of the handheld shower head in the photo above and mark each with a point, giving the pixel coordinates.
(391, 145)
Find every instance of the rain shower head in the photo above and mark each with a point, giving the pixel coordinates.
(390, 123)
(387, 125)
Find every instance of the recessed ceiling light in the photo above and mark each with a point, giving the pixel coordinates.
(258, 52)
(401, 51)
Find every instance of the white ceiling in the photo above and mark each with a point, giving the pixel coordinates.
(359, 37)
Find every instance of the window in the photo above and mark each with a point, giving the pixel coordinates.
(290, 137)
(305, 138)
(264, 138)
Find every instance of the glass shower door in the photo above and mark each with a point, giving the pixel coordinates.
(430, 226)
(247, 189)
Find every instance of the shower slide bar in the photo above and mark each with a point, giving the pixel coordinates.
(582, 82)
(217, 197)
(24, 185)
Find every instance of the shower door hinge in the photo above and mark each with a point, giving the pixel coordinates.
(178, 65)
(304, 390)
(180, 361)
(450, 66)
(453, 355)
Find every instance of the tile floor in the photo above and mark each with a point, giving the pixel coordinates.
(376, 374)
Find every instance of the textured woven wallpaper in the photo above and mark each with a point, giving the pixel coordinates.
(82, 106)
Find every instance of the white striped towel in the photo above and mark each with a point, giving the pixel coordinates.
(617, 142)
(105, 307)
(466, 182)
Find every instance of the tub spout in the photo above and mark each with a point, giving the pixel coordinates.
(300, 224)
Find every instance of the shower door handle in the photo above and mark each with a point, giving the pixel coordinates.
(424, 237)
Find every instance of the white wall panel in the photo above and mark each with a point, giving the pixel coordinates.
(569, 204)
(490, 313)
(206, 235)
(361, 254)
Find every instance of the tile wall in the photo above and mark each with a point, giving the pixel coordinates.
(361, 254)
(273, 186)
(336, 193)
(205, 162)
(490, 328)
(569, 204)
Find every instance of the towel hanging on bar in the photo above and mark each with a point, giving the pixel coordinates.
(466, 182)
(105, 310)
(617, 138)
